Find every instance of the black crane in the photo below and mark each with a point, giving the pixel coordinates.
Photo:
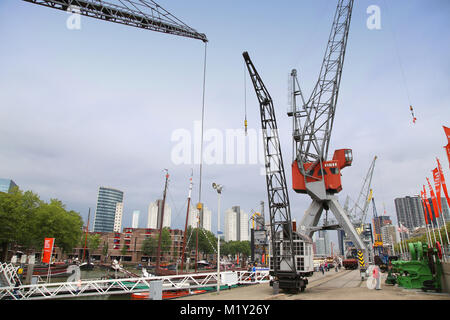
(284, 255)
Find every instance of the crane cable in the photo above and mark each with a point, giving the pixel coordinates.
(402, 71)
(203, 117)
(245, 99)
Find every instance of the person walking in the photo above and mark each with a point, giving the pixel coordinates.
(376, 276)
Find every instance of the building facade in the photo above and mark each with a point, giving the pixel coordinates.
(155, 212)
(118, 217)
(6, 185)
(126, 247)
(410, 212)
(135, 219)
(236, 226)
(105, 213)
(322, 243)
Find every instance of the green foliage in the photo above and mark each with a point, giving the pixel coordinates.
(150, 245)
(26, 220)
(207, 241)
(236, 247)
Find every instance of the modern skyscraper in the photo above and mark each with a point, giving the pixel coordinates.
(6, 185)
(205, 218)
(105, 213)
(118, 217)
(135, 221)
(193, 217)
(154, 215)
(230, 227)
(322, 243)
(410, 212)
(236, 225)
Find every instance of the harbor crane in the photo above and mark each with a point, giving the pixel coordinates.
(312, 172)
(291, 262)
(144, 14)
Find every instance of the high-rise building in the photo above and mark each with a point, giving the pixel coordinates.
(236, 225)
(135, 220)
(322, 243)
(204, 217)
(155, 212)
(243, 227)
(389, 237)
(193, 218)
(6, 185)
(105, 213)
(230, 226)
(118, 217)
(409, 212)
(379, 222)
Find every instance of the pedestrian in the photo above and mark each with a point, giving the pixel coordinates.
(376, 276)
(336, 268)
(322, 268)
(326, 266)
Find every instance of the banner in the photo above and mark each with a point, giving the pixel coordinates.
(433, 200)
(437, 187)
(447, 133)
(444, 186)
(424, 208)
(48, 249)
(427, 204)
(447, 147)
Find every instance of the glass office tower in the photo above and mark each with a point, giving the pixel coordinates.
(105, 214)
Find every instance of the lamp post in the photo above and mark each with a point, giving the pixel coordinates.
(218, 188)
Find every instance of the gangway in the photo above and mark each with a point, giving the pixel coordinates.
(85, 288)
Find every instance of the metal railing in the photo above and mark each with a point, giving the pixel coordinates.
(84, 288)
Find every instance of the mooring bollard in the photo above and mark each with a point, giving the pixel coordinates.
(155, 290)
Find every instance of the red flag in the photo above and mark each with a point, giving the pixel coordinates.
(447, 133)
(48, 249)
(447, 147)
(424, 208)
(433, 200)
(427, 203)
(441, 176)
(437, 187)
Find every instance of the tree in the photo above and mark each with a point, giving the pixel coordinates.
(26, 221)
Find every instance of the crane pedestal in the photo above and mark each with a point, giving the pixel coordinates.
(322, 200)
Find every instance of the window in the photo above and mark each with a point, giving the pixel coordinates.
(334, 170)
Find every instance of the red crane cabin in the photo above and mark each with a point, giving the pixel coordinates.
(331, 172)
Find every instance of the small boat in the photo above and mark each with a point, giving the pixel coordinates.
(56, 270)
(172, 294)
(87, 266)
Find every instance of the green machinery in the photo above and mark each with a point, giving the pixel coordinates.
(423, 271)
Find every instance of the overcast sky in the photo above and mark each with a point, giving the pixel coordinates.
(98, 106)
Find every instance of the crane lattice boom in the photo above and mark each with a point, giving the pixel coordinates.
(317, 114)
(144, 14)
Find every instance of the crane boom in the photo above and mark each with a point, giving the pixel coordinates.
(278, 199)
(144, 14)
(313, 138)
